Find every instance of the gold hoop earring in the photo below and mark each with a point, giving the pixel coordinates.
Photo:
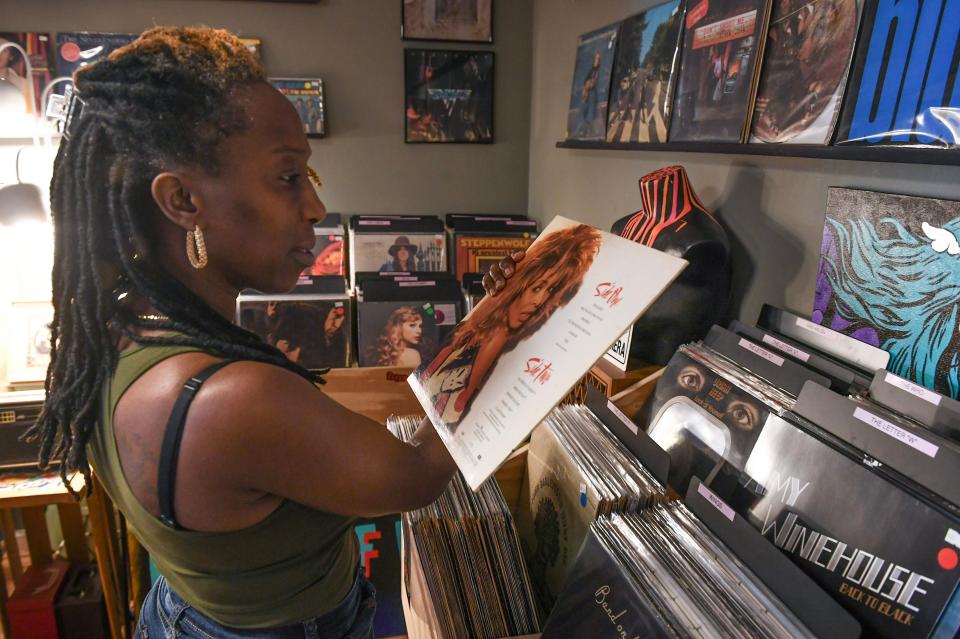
(196, 248)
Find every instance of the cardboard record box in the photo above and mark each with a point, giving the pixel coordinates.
(403, 323)
(312, 330)
(390, 244)
(479, 242)
(18, 411)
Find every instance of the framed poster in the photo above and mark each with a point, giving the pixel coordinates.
(449, 96)
(452, 20)
(306, 96)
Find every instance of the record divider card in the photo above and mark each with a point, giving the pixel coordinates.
(933, 462)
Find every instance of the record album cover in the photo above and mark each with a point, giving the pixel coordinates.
(312, 330)
(28, 341)
(306, 96)
(80, 48)
(379, 541)
(590, 93)
(644, 74)
(449, 96)
(398, 252)
(518, 354)
(15, 87)
(400, 333)
(723, 44)
(456, 20)
(809, 49)
(890, 276)
(477, 253)
(702, 419)
(844, 526)
(903, 82)
(328, 252)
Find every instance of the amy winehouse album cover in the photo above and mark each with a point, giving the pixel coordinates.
(80, 48)
(843, 525)
(644, 74)
(312, 330)
(306, 95)
(890, 276)
(518, 353)
(722, 47)
(903, 84)
(809, 48)
(15, 86)
(590, 94)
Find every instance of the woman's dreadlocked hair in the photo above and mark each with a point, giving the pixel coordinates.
(164, 100)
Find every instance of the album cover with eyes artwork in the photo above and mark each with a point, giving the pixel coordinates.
(518, 353)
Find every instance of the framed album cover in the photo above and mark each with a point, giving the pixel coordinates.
(28, 342)
(449, 96)
(452, 20)
(306, 96)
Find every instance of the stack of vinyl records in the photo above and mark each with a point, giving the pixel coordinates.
(577, 471)
(662, 573)
(775, 420)
(466, 548)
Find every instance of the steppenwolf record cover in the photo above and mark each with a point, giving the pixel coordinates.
(516, 355)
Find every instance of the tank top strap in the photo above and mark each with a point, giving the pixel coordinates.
(136, 361)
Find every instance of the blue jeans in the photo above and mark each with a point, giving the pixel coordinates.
(166, 616)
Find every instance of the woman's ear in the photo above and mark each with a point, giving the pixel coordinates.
(172, 193)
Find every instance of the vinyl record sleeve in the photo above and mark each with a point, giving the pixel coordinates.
(312, 330)
(645, 74)
(382, 252)
(889, 276)
(518, 354)
(723, 44)
(306, 96)
(590, 93)
(602, 595)
(328, 258)
(399, 333)
(79, 48)
(477, 253)
(844, 526)
(903, 82)
(809, 49)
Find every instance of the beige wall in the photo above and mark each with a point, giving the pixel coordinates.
(773, 207)
(355, 46)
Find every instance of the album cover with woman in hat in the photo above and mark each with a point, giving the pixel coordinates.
(399, 253)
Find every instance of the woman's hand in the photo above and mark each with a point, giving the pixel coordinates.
(496, 278)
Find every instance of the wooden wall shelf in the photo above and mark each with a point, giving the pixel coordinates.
(902, 155)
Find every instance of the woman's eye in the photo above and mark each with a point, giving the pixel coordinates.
(292, 178)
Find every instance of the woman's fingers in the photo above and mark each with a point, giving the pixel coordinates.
(496, 278)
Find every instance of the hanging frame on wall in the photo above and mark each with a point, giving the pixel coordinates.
(448, 96)
(449, 20)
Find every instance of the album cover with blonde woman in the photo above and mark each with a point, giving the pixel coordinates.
(517, 354)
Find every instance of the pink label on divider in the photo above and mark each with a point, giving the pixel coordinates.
(717, 503)
(901, 435)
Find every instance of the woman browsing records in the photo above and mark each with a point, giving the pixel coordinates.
(181, 180)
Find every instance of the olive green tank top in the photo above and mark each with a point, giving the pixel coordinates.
(295, 564)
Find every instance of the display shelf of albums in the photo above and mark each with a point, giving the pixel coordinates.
(861, 80)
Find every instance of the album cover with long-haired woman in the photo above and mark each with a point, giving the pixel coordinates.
(518, 353)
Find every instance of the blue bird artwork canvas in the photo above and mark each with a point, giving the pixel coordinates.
(890, 276)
